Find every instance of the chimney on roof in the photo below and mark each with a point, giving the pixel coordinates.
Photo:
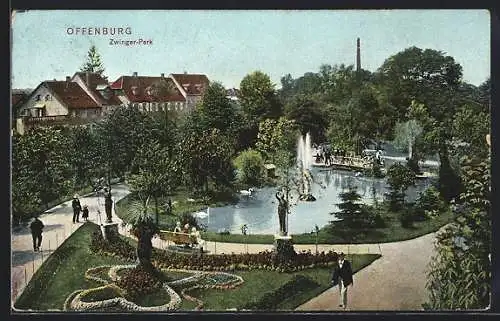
(185, 72)
(87, 78)
(68, 80)
(134, 74)
(162, 75)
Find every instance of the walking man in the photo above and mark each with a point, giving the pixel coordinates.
(36, 228)
(76, 209)
(342, 275)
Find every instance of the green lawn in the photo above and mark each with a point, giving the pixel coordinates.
(258, 282)
(64, 272)
(391, 233)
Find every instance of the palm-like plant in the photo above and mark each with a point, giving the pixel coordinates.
(144, 228)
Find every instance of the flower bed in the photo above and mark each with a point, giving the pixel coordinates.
(216, 262)
(110, 297)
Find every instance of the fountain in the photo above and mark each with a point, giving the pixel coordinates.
(304, 162)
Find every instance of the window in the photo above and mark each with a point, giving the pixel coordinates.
(47, 97)
(38, 97)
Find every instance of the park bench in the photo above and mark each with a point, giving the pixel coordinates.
(178, 238)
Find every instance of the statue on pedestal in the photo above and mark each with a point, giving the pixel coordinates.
(282, 212)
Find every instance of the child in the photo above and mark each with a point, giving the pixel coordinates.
(85, 212)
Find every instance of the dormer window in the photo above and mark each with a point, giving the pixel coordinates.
(47, 97)
(149, 91)
(135, 90)
(38, 97)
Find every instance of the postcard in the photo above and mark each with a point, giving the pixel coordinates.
(246, 160)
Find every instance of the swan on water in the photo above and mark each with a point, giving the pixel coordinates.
(246, 192)
(202, 214)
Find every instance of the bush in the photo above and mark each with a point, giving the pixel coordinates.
(429, 203)
(299, 283)
(407, 218)
(250, 167)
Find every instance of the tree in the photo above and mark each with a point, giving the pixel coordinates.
(217, 109)
(258, 97)
(351, 211)
(276, 135)
(406, 134)
(121, 135)
(206, 156)
(399, 178)
(250, 166)
(86, 165)
(40, 170)
(144, 228)
(93, 63)
(308, 116)
(157, 173)
(431, 80)
(460, 272)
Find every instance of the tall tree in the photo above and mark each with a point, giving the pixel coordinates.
(217, 109)
(93, 63)
(308, 116)
(258, 97)
(276, 135)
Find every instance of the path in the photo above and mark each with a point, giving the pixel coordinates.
(58, 227)
(396, 281)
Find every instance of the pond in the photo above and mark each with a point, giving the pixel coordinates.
(259, 211)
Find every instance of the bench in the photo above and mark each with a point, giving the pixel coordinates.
(177, 237)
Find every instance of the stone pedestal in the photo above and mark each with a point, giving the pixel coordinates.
(109, 231)
(283, 249)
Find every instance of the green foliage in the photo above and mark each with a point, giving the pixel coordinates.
(405, 135)
(258, 98)
(308, 116)
(276, 136)
(93, 63)
(217, 109)
(206, 156)
(352, 212)
(429, 204)
(121, 135)
(460, 272)
(270, 300)
(250, 166)
(41, 170)
(399, 178)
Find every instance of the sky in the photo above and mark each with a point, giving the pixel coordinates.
(227, 45)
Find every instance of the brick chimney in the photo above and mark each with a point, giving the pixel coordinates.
(358, 56)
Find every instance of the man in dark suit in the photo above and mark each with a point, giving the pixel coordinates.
(76, 208)
(342, 275)
(36, 228)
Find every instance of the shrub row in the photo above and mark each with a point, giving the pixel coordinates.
(270, 300)
(216, 262)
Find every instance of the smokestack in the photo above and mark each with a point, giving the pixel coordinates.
(358, 56)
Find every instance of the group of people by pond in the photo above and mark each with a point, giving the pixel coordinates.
(329, 156)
